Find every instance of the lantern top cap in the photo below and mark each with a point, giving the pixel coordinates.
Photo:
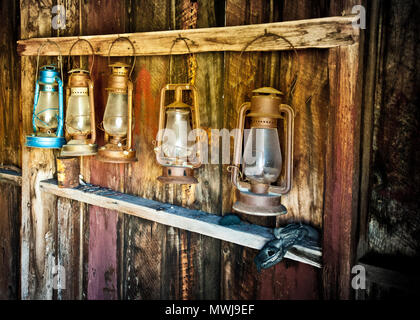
(48, 67)
(178, 105)
(267, 90)
(78, 70)
(119, 65)
(47, 74)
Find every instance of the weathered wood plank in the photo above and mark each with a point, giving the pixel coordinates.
(310, 100)
(104, 250)
(240, 279)
(12, 177)
(10, 123)
(145, 248)
(10, 153)
(247, 235)
(9, 244)
(315, 33)
(342, 174)
(38, 233)
(179, 264)
(68, 247)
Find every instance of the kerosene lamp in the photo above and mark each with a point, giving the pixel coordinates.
(117, 120)
(48, 112)
(177, 154)
(80, 113)
(262, 158)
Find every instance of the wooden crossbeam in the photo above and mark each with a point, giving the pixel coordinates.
(248, 235)
(312, 33)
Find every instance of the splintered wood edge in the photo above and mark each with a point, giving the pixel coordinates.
(11, 176)
(303, 34)
(248, 235)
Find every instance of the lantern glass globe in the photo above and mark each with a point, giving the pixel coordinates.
(262, 155)
(46, 110)
(78, 112)
(115, 116)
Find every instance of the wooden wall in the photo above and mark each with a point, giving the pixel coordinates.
(390, 220)
(128, 258)
(109, 255)
(10, 151)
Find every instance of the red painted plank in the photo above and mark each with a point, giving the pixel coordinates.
(103, 265)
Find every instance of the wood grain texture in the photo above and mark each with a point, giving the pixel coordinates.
(318, 33)
(391, 220)
(240, 278)
(10, 124)
(244, 234)
(39, 232)
(10, 153)
(343, 165)
(68, 247)
(179, 264)
(9, 244)
(104, 225)
(342, 174)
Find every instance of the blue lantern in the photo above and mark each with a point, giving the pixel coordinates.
(48, 111)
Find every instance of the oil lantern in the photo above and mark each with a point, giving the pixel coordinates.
(80, 113)
(178, 156)
(262, 159)
(117, 120)
(48, 113)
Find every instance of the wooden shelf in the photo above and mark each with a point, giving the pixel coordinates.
(244, 234)
(312, 33)
(11, 176)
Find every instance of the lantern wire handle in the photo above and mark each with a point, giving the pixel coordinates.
(91, 48)
(134, 52)
(59, 59)
(276, 36)
(179, 38)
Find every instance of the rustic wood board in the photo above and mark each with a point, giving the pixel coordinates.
(10, 196)
(247, 235)
(39, 232)
(177, 264)
(10, 153)
(240, 279)
(342, 164)
(10, 123)
(317, 33)
(104, 225)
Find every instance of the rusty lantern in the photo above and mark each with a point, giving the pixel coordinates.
(80, 115)
(178, 155)
(118, 116)
(262, 159)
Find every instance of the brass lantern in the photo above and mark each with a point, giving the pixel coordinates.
(262, 158)
(80, 113)
(118, 115)
(178, 155)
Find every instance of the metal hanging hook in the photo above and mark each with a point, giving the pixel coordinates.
(91, 48)
(59, 58)
(267, 34)
(134, 52)
(179, 38)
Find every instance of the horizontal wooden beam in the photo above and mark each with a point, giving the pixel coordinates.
(244, 234)
(313, 33)
(11, 177)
